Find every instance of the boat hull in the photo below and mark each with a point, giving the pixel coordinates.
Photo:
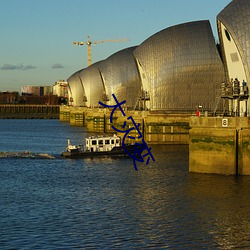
(115, 152)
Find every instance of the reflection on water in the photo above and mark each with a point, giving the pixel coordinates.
(106, 204)
(224, 201)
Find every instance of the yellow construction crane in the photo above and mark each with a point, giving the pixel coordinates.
(89, 43)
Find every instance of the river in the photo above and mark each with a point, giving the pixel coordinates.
(56, 203)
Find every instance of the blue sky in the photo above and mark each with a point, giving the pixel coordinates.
(36, 35)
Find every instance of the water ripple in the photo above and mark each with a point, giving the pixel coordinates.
(26, 154)
(106, 204)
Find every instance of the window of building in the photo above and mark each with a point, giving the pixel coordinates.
(227, 35)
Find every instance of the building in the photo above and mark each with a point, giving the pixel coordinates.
(60, 89)
(175, 70)
(178, 69)
(120, 76)
(38, 95)
(37, 90)
(234, 33)
(9, 97)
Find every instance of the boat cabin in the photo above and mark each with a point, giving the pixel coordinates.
(102, 143)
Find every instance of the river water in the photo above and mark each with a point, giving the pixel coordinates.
(55, 203)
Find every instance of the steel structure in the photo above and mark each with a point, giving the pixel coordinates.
(89, 44)
(180, 67)
(120, 77)
(76, 92)
(234, 32)
(92, 85)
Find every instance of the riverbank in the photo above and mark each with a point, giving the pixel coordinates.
(25, 111)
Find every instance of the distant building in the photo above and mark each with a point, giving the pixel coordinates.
(60, 89)
(40, 100)
(47, 90)
(9, 97)
(37, 90)
(38, 95)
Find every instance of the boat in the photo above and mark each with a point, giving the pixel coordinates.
(100, 146)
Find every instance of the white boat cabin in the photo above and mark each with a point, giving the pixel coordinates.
(102, 143)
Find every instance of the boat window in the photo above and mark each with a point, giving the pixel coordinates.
(93, 142)
(117, 141)
(107, 142)
(100, 142)
(112, 141)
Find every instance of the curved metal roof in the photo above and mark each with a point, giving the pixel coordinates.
(92, 84)
(76, 92)
(121, 77)
(181, 67)
(236, 18)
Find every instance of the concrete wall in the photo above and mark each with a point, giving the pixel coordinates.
(219, 145)
(157, 128)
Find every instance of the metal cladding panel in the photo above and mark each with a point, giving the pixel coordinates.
(92, 84)
(182, 66)
(236, 18)
(121, 77)
(75, 89)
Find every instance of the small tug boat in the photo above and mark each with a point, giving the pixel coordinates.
(99, 146)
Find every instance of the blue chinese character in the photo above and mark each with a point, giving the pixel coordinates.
(137, 156)
(148, 151)
(136, 126)
(138, 147)
(137, 152)
(114, 106)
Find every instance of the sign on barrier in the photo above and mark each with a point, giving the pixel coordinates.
(224, 123)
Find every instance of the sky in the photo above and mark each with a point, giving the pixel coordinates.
(36, 35)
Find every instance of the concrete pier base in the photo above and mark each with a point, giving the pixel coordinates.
(64, 114)
(157, 128)
(219, 145)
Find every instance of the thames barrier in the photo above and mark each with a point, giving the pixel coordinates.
(218, 145)
(156, 128)
(170, 75)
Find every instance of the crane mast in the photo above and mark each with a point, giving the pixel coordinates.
(89, 43)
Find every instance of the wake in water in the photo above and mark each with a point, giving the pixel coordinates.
(26, 154)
